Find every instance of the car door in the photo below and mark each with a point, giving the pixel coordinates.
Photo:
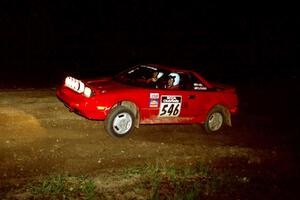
(197, 98)
(168, 104)
(165, 106)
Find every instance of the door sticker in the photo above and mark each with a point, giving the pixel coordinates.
(153, 102)
(170, 106)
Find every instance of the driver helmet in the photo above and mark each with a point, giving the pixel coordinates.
(175, 77)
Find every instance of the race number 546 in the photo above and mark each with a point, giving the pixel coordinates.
(170, 106)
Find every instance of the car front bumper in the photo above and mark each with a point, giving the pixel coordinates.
(86, 107)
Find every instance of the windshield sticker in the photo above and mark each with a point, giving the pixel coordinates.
(149, 67)
(131, 71)
(154, 98)
(170, 106)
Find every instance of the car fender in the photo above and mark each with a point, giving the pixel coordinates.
(130, 104)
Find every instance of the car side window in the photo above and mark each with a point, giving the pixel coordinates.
(170, 81)
(190, 82)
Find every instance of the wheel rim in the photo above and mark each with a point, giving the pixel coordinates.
(122, 123)
(215, 121)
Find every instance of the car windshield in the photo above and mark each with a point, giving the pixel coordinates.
(141, 76)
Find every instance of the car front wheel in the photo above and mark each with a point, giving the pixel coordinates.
(119, 122)
(214, 121)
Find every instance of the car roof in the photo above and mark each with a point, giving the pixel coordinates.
(169, 68)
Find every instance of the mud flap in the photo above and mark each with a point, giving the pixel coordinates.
(227, 117)
(226, 114)
(137, 120)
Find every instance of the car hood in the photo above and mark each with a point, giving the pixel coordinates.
(107, 84)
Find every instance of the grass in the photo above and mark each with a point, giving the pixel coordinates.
(63, 187)
(198, 181)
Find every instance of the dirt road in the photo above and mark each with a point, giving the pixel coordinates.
(40, 137)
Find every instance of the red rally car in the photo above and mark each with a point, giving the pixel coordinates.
(150, 94)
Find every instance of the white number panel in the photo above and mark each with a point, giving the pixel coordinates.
(170, 106)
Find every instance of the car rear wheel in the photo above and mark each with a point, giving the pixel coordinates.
(119, 122)
(214, 121)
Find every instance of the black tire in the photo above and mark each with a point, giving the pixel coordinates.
(214, 121)
(119, 122)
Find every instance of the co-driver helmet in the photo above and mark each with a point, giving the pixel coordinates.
(175, 77)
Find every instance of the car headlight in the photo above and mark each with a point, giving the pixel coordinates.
(87, 92)
(74, 84)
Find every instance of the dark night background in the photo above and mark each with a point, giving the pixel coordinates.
(50, 37)
(253, 46)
